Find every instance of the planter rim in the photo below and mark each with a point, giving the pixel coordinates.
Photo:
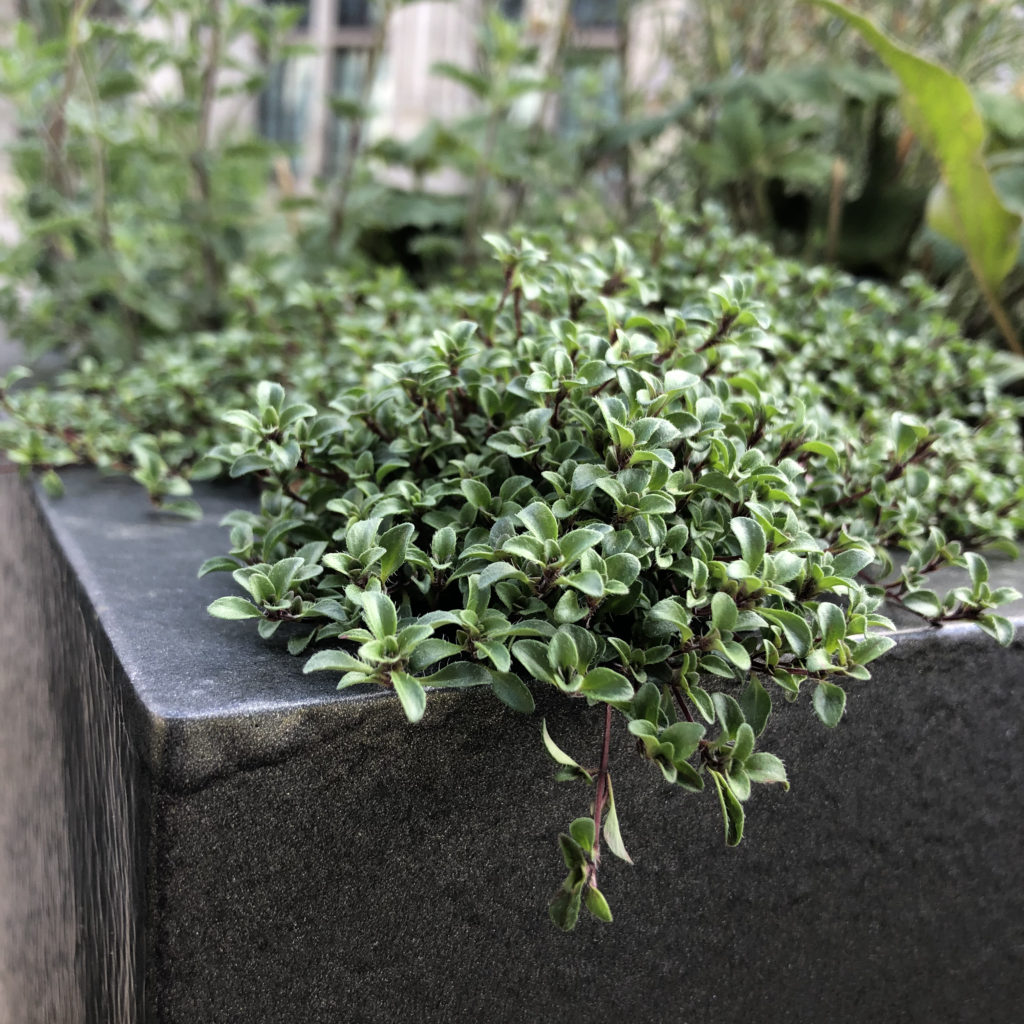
(206, 697)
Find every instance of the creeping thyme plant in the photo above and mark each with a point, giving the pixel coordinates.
(664, 476)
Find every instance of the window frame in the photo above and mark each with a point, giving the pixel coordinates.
(326, 37)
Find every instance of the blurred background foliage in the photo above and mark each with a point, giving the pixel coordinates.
(136, 202)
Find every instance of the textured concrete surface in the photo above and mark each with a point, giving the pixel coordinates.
(291, 854)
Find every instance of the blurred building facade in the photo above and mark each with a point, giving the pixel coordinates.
(295, 109)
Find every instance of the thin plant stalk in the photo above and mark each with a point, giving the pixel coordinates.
(357, 125)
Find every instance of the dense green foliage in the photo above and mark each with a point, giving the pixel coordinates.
(662, 473)
(622, 475)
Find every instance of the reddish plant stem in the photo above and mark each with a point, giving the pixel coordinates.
(893, 474)
(677, 690)
(602, 786)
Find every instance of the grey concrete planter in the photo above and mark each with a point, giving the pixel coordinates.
(192, 831)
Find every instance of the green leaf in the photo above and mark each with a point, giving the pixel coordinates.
(730, 714)
(233, 608)
(583, 831)
(334, 661)
(379, 614)
(849, 563)
(871, 647)
(497, 652)
(588, 582)
(568, 608)
(685, 737)
(564, 909)
(52, 484)
(500, 571)
(219, 563)
(732, 810)
(562, 652)
(942, 113)
(610, 829)
(737, 654)
(998, 628)
(573, 544)
(556, 752)
(476, 493)
(923, 602)
(703, 702)
(977, 567)
(459, 675)
(442, 546)
(246, 464)
(533, 656)
(820, 448)
(766, 768)
(606, 684)
(646, 702)
(829, 703)
(396, 546)
(795, 628)
(832, 623)
(752, 541)
(511, 690)
(412, 695)
(756, 705)
(744, 745)
(431, 651)
(282, 574)
(598, 905)
(724, 612)
(539, 521)
(670, 610)
(719, 483)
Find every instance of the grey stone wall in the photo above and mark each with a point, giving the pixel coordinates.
(69, 874)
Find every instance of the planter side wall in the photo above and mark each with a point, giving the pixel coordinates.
(401, 873)
(377, 872)
(70, 801)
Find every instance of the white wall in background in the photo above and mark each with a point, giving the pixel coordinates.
(410, 96)
(8, 130)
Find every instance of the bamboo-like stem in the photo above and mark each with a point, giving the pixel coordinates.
(201, 154)
(357, 125)
(835, 209)
(624, 105)
(55, 130)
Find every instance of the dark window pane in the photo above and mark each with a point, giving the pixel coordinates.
(590, 93)
(353, 13)
(595, 13)
(349, 72)
(303, 21)
(284, 104)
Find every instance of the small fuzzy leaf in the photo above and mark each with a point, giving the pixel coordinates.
(752, 541)
(610, 829)
(756, 705)
(829, 703)
(539, 521)
(511, 690)
(732, 810)
(412, 695)
(598, 905)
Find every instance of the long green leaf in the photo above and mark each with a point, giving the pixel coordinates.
(941, 111)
